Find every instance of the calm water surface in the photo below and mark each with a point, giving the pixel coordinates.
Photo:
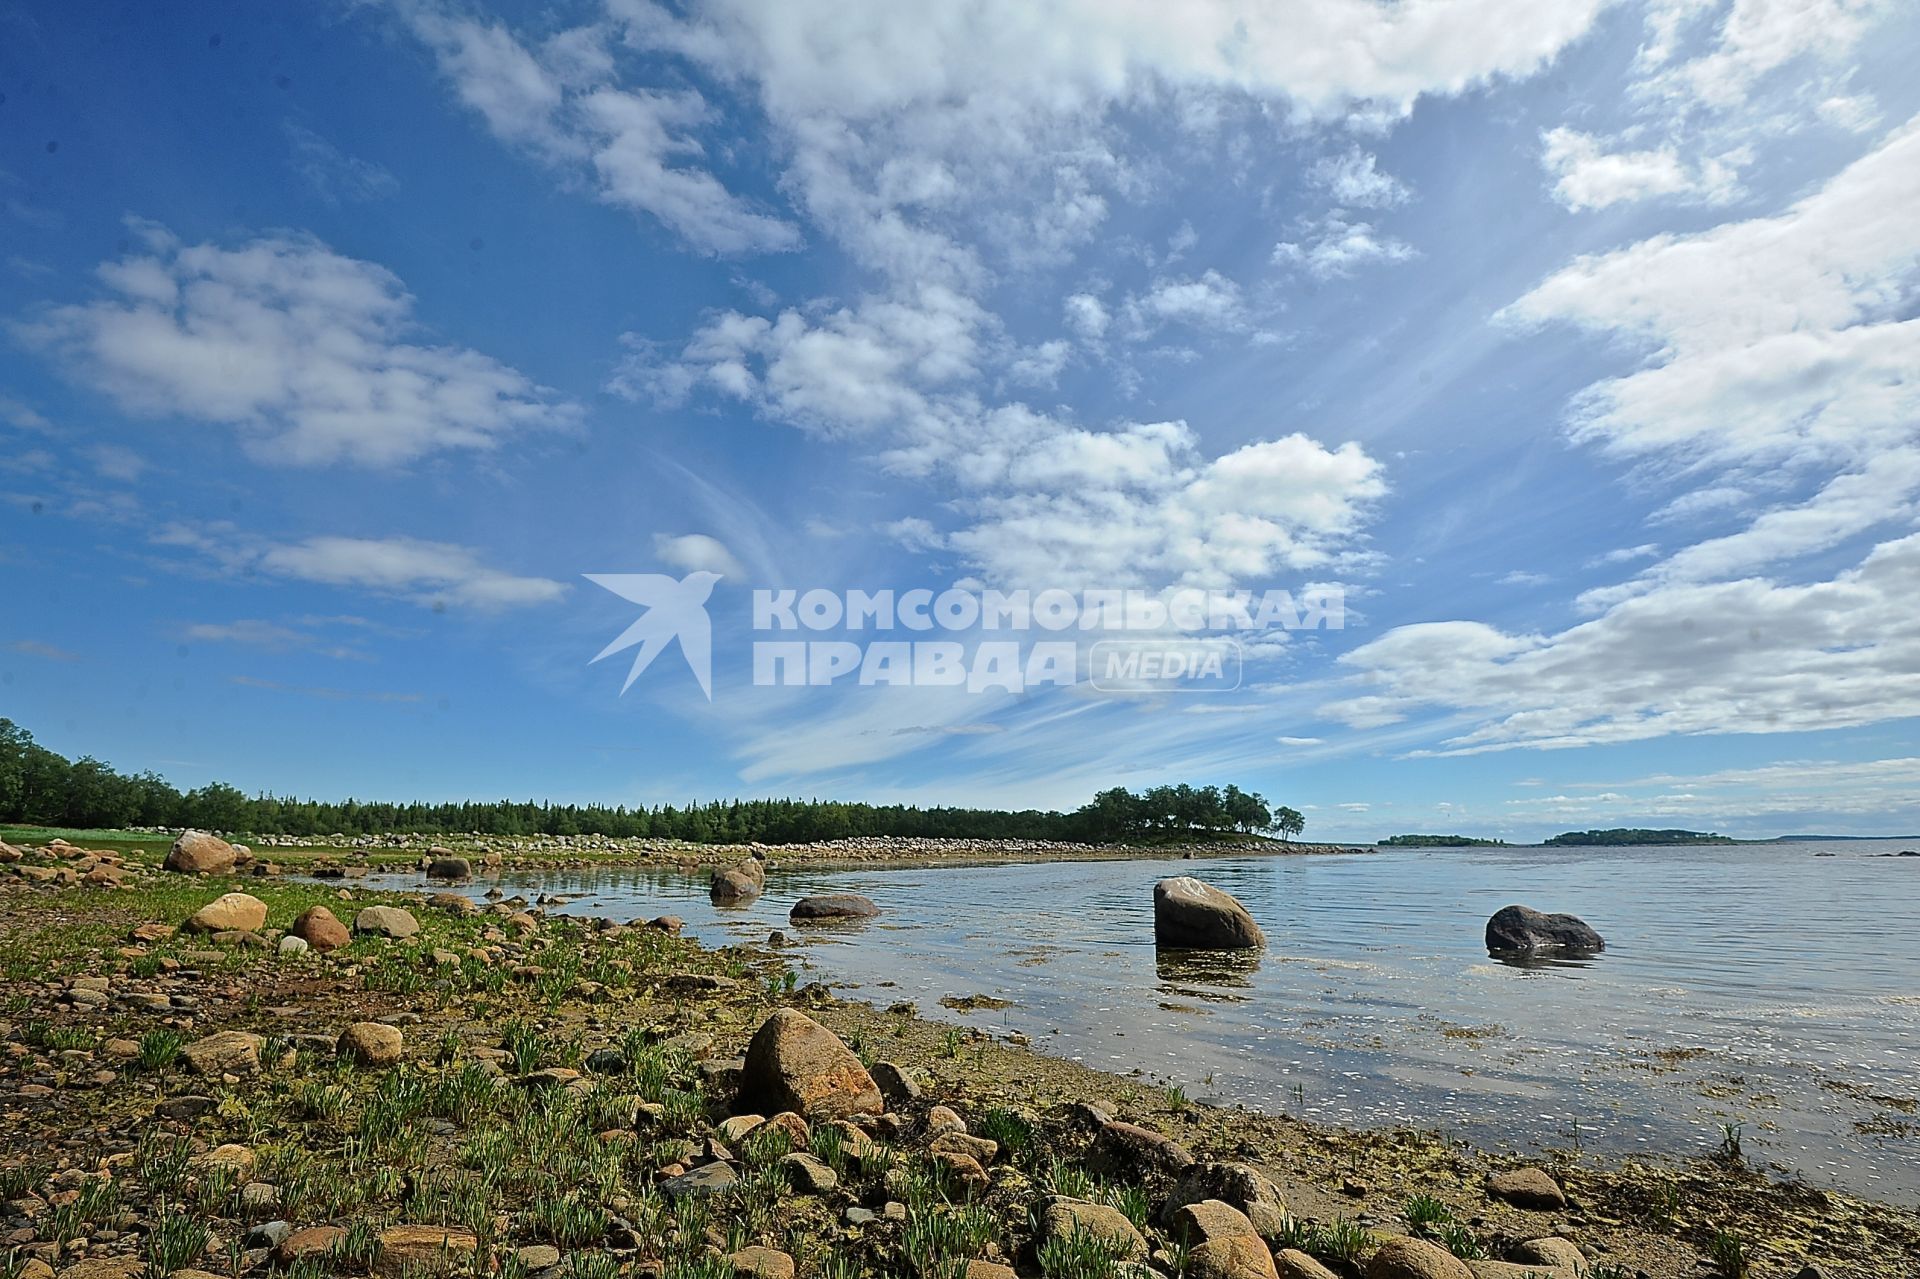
(1764, 986)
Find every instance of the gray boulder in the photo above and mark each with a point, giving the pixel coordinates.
(1190, 915)
(832, 906)
(1523, 929)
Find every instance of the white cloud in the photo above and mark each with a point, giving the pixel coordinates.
(1588, 177)
(1335, 247)
(562, 101)
(1755, 39)
(1087, 316)
(333, 175)
(1353, 179)
(1750, 656)
(1709, 90)
(117, 462)
(297, 346)
(696, 552)
(1206, 301)
(1043, 500)
(1779, 352)
(1773, 341)
(434, 574)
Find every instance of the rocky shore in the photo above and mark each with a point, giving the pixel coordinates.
(229, 1075)
(566, 852)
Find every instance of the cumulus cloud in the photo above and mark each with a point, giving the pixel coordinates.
(1354, 179)
(1711, 79)
(1586, 176)
(301, 349)
(563, 101)
(1042, 499)
(1335, 246)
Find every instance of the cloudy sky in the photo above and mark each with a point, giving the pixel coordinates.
(1575, 341)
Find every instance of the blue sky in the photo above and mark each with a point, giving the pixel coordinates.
(1574, 342)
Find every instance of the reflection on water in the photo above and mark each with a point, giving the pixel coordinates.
(1740, 984)
(1206, 974)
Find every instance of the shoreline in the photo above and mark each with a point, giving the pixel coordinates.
(490, 855)
(1656, 1217)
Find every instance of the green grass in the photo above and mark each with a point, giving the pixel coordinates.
(119, 841)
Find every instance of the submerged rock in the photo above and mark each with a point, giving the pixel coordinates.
(1191, 915)
(738, 883)
(1521, 928)
(832, 906)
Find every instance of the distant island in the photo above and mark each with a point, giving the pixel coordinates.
(1636, 835)
(1438, 841)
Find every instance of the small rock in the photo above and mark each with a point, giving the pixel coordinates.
(186, 1106)
(1065, 1217)
(314, 1241)
(1551, 1251)
(1290, 1263)
(233, 913)
(808, 1175)
(704, 1180)
(895, 1082)
(292, 947)
(385, 921)
(1528, 1188)
(414, 1250)
(321, 929)
(230, 1052)
(1415, 1259)
(372, 1044)
(944, 1119)
(765, 1263)
(538, 1256)
(1123, 1152)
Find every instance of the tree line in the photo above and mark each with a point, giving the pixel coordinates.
(39, 787)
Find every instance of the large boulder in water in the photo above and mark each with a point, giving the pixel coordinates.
(734, 884)
(446, 866)
(1523, 929)
(794, 1063)
(1190, 915)
(832, 906)
(198, 853)
(741, 881)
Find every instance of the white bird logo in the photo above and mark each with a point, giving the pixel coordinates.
(675, 610)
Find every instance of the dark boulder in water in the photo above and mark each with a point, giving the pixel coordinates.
(832, 906)
(1521, 928)
(1191, 915)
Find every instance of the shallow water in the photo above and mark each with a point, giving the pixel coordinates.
(1766, 986)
